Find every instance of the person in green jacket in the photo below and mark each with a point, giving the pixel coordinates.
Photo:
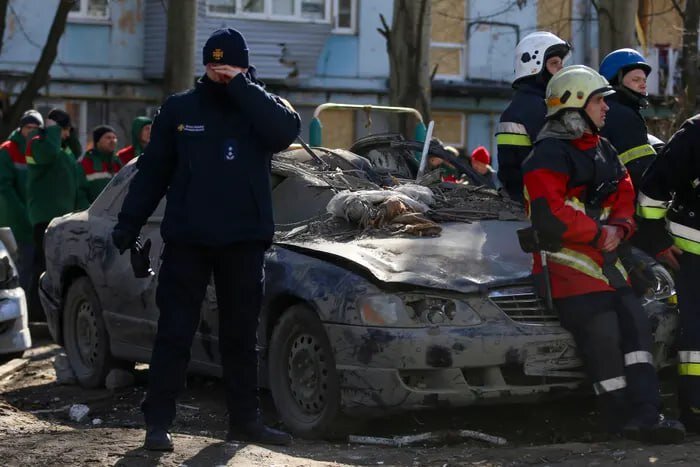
(100, 163)
(140, 136)
(13, 191)
(56, 186)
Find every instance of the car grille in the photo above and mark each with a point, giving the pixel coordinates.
(521, 304)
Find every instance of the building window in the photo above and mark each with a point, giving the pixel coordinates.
(344, 16)
(450, 127)
(90, 9)
(285, 10)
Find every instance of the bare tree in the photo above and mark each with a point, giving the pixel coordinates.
(408, 46)
(689, 58)
(40, 75)
(179, 52)
(616, 25)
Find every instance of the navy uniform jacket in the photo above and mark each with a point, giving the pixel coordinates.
(519, 126)
(210, 152)
(626, 130)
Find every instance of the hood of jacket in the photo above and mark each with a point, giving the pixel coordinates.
(136, 127)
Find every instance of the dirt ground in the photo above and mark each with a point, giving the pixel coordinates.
(35, 430)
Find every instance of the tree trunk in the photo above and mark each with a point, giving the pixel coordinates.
(616, 25)
(179, 53)
(40, 76)
(3, 19)
(408, 47)
(689, 58)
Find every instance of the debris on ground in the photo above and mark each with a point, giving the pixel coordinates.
(96, 421)
(78, 412)
(445, 436)
(118, 379)
(64, 372)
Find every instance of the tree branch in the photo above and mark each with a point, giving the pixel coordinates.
(3, 19)
(678, 8)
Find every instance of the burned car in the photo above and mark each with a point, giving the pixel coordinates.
(14, 321)
(363, 314)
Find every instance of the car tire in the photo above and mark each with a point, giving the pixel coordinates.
(85, 337)
(303, 379)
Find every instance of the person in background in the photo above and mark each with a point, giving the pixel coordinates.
(100, 163)
(13, 191)
(55, 186)
(480, 161)
(140, 136)
(538, 56)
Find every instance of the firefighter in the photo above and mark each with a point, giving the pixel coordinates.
(210, 153)
(669, 211)
(627, 70)
(581, 203)
(537, 57)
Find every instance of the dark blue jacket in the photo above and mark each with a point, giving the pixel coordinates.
(210, 152)
(626, 129)
(518, 128)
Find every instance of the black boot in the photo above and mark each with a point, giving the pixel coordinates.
(664, 431)
(257, 432)
(158, 439)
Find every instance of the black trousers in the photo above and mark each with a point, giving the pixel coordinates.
(36, 312)
(688, 287)
(613, 335)
(184, 275)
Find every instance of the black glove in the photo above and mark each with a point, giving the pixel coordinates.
(73, 144)
(140, 260)
(123, 239)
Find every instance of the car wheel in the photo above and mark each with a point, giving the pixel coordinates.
(85, 337)
(303, 378)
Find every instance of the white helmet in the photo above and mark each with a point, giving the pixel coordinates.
(533, 50)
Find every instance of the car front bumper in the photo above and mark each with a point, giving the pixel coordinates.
(14, 323)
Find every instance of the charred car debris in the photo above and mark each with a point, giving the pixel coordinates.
(14, 321)
(383, 292)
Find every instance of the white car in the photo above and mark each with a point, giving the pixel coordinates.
(14, 321)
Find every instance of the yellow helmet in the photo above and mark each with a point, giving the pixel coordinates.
(571, 88)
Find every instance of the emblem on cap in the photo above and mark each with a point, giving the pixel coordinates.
(180, 127)
(217, 54)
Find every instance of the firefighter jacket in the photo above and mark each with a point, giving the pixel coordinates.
(13, 187)
(667, 219)
(210, 151)
(518, 127)
(562, 178)
(626, 130)
(99, 169)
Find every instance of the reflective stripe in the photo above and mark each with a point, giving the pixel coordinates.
(689, 356)
(621, 269)
(687, 245)
(651, 213)
(684, 231)
(645, 200)
(30, 160)
(605, 213)
(640, 356)
(609, 385)
(509, 139)
(578, 261)
(689, 369)
(576, 204)
(637, 152)
(511, 127)
(98, 175)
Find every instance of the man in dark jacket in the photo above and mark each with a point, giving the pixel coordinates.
(669, 211)
(625, 128)
(210, 152)
(537, 57)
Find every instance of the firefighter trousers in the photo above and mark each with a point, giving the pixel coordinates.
(182, 283)
(688, 287)
(613, 336)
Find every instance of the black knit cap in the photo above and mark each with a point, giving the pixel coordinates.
(226, 47)
(31, 116)
(61, 117)
(99, 131)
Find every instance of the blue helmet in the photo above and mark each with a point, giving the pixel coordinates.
(620, 61)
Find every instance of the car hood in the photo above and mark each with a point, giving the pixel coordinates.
(464, 258)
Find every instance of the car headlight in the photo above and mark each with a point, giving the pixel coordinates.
(413, 310)
(664, 287)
